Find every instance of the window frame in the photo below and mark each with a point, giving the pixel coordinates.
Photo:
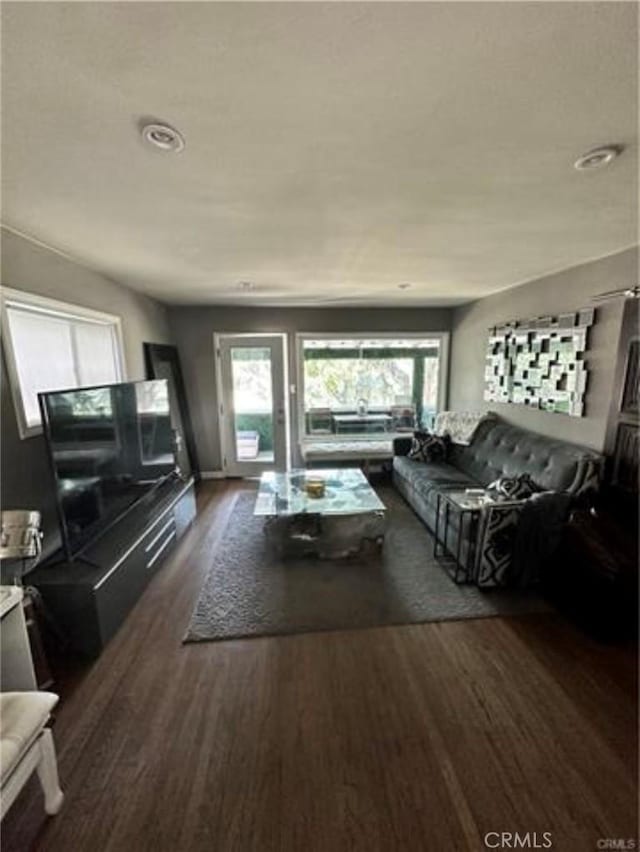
(62, 310)
(443, 338)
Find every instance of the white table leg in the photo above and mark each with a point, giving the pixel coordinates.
(48, 774)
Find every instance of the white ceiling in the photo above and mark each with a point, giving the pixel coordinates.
(334, 150)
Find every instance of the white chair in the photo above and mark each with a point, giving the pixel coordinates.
(26, 745)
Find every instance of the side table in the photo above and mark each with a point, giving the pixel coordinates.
(467, 508)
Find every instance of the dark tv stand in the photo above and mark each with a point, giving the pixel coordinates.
(90, 597)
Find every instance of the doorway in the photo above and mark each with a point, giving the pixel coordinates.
(252, 403)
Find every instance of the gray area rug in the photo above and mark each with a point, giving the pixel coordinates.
(252, 591)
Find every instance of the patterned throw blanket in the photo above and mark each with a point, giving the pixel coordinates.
(517, 537)
(460, 426)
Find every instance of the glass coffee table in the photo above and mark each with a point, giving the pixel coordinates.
(348, 519)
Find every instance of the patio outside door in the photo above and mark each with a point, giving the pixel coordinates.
(252, 403)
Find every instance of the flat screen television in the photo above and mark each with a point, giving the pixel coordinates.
(109, 447)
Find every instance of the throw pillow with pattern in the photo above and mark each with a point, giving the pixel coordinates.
(426, 447)
(513, 487)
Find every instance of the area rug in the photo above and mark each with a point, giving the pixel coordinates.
(252, 591)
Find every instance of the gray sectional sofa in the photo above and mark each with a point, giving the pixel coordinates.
(562, 471)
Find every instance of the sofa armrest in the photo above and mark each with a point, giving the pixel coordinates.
(401, 446)
(542, 522)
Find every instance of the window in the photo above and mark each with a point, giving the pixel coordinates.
(50, 345)
(369, 386)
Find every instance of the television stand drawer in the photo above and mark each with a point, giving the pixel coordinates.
(123, 587)
(156, 543)
(161, 545)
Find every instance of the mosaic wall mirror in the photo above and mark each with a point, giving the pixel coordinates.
(540, 362)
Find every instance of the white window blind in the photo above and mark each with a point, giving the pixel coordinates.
(51, 348)
(97, 361)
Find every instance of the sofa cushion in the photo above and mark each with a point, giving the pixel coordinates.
(499, 449)
(22, 717)
(425, 476)
(513, 487)
(426, 447)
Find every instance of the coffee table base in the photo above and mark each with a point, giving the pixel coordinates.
(327, 536)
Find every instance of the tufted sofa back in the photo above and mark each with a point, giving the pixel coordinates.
(500, 449)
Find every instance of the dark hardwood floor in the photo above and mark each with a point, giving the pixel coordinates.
(421, 737)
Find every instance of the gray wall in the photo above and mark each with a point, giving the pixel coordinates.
(193, 329)
(25, 477)
(563, 291)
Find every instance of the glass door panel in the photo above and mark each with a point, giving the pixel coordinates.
(253, 407)
(252, 388)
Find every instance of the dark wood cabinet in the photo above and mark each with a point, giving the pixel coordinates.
(595, 574)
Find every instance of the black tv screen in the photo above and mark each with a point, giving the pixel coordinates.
(109, 448)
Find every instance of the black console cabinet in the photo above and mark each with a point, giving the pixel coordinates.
(90, 597)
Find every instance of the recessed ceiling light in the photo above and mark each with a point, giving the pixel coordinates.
(598, 157)
(164, 137)
(404, 286)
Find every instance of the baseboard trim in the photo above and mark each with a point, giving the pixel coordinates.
(212, 474)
